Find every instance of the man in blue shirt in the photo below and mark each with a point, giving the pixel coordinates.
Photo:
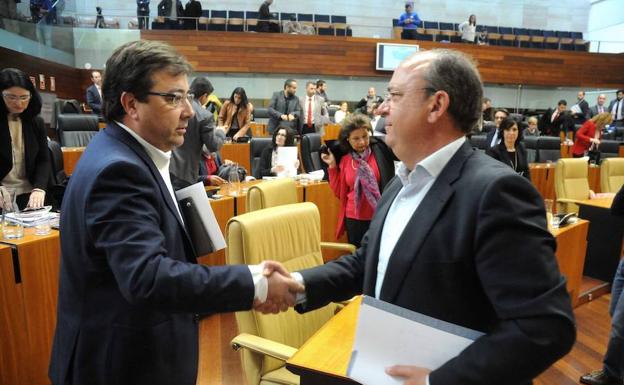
(409, 21)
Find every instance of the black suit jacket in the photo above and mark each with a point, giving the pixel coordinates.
(563, 122)
(585, 113)
(499, 152)
(93, 99)
(280, 105)
(475, 253)
(36, 155)
(129, 283)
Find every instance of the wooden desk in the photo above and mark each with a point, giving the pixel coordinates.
(323, 359)
(258, 129)
(31, 284)
(543, 178)
(71, 155)
(593, 177)
(237, 152)
(571, 250)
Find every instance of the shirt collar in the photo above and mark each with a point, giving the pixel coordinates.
(160, 158)
(431, 165)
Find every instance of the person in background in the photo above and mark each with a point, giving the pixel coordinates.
(235, 115)
(600, 107)
(616, 108)
(143, 12)
(94, 93)
(359, 177)
(24, 157)
(314, 112)
(493, 137)
(409, 21)
(212, 103)
(510, 151)
(192, 13)
(487, 110)
(99, 18)
(553, 121)
(342, 113)
(269, 166)
(581, 110)
(264, 18)
(285, 107)
(589, 135)
(209, 167)
(321, 90)
(468, 30)
(171, 10)
(531, 129)
(370, 98)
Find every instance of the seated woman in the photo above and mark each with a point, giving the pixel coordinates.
(342, 113)
(589, 135)
(24, 158)
(510, 150)
(359, 177)
(209, 168)
(235, 115)
(269, 166)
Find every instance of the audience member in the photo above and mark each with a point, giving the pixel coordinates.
(285, 107)
(616, 107)
(209, 168)
(235, 115)
(314, 111)
(24, 158)
(409, 21)
(531, 129)
(580, 111)
(589, 135)
(265, 23)
(612, 371)
(99, 19)
(171, 12)
(43, 13)
(487, 110)
(468, 30)
(200, 131)
(127, 251)
(553, 121)
(430, 247)
(378, 122)
(493, 137)
(192, 13)
(8, 10)
(510, 150)
(600, 107)
(321, 89)
(94, 93)
(269, 160)
(370, 98)
(143, 11)
(342, 113)
(212, 103)
(359, 177)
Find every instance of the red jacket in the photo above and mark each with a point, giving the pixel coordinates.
(583, 136)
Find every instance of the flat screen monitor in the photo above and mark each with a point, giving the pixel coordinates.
(390, 55)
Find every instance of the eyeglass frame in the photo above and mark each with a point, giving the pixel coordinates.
(388, 95)
(15, 98)
(174, 96)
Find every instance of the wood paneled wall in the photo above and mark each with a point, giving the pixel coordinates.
(323, 55)
(71, 83)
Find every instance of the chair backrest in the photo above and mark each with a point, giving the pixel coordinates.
(530, 143)
(548, 149)
(611, 175)
(76, 130)
(289, 234)
(56, 157)
(478, 141)
(261, 115)
(571, 182)
(255, 150)
(271, 193)
(310, 155)
(609, 148)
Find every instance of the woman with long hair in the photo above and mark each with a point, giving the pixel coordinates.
(589, 135)
(235, 114)
(269, 165)
(468, 30)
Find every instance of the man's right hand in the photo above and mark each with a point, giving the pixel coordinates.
(282, 289)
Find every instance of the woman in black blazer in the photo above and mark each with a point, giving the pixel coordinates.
(510, 150)
(24, 158)
(282, 136)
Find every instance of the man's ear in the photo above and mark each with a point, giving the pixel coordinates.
(438, 106)
(129, 101)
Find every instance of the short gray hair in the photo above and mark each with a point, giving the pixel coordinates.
(456, 74)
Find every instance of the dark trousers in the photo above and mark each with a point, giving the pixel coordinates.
(143, 19)
(409, 34)
(356, 230)
(308, 129)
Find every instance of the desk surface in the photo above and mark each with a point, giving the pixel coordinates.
(604, 203)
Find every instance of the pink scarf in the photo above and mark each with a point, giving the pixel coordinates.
(365, 181)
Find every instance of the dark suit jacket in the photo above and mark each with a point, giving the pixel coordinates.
(593, 110)
(129, 282)
(584, 115)
(476, 253)
(36, 155)
(612, 103)
(93, 99)
(499, 152)
(280, 106)
(563, 122)
(265, 161)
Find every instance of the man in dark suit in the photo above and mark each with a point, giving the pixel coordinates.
(553, 121)
(600, 107)
(94, 93)
(143, 11)
(457, 236)
(285, 108)
(583, 106)
(616, 107)
(130, 287)
(492, 139)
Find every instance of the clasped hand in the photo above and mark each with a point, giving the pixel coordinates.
(282, 289)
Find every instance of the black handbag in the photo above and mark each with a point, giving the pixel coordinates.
(594, 155)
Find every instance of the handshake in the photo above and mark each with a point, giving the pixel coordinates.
(282, 289)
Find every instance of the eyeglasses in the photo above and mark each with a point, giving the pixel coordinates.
(174, 98)
(15, 98)
(394, 96)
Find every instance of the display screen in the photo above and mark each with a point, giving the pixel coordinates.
(390, 55)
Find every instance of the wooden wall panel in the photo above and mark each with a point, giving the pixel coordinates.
(345, 56)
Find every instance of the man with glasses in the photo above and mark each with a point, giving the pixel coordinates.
(457, 236)
(130, 288)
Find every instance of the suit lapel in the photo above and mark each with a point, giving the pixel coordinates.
(407, 247)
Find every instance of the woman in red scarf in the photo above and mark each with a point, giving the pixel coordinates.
(358, 178)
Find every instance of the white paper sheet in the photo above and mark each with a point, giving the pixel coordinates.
(198, 195)
(287, 157)
(388, 335)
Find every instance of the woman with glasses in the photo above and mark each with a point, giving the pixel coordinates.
(235, 114)
(359, 176)
(24, 158)
(269, 161)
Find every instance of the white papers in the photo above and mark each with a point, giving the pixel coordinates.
(576, 109)
(287, 157)
(389, 335)
(200, 203)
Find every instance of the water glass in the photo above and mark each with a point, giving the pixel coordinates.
(233, 180)
(551, 220)
(12, 227)
(42, 226)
